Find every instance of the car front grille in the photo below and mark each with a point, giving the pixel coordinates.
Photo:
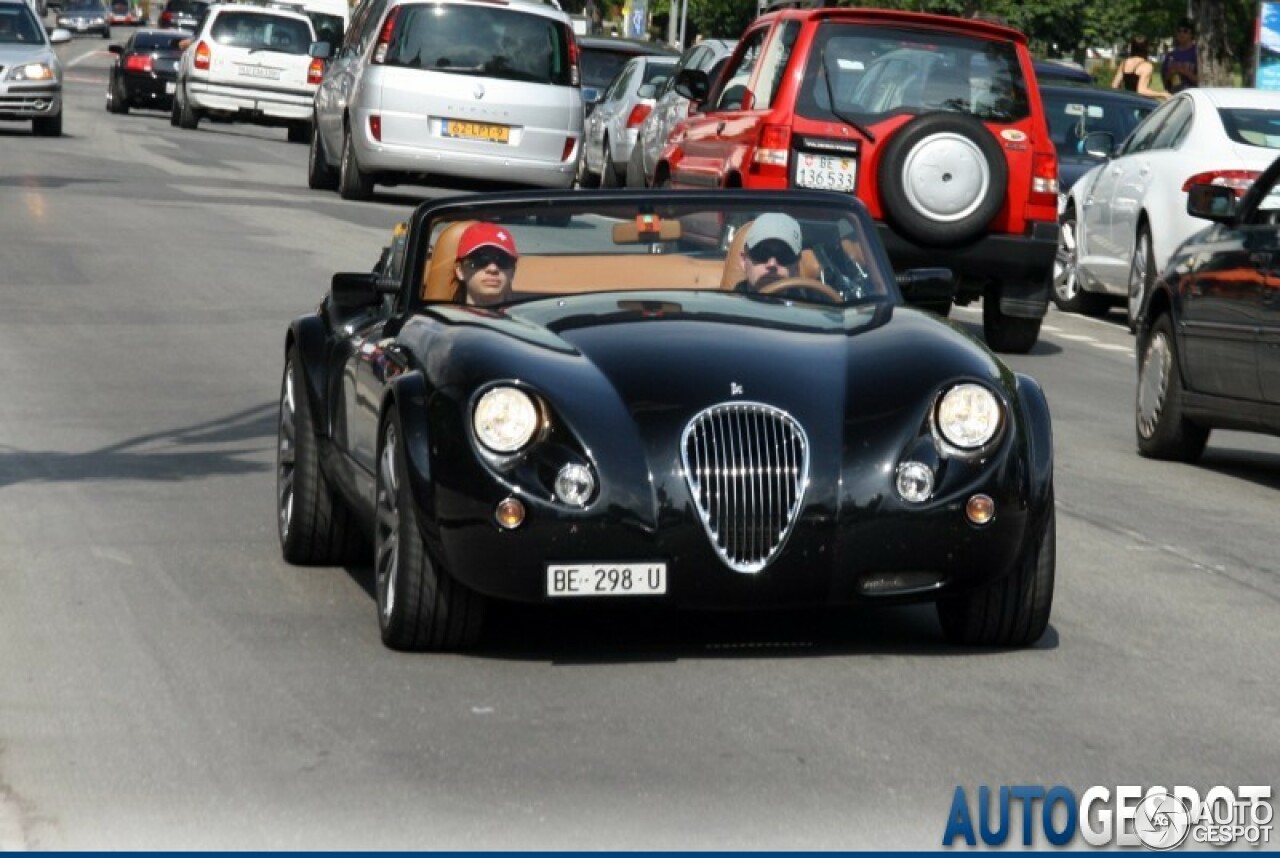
(747, 466)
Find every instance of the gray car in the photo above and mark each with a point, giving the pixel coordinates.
(30, 74)
(85, 16)
(451, 88)
(611, 128)
(671, 108)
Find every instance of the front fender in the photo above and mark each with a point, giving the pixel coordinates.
(310, 336)
(407, 397)
(1039, 429)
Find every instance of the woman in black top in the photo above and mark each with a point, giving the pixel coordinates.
(1136, 70)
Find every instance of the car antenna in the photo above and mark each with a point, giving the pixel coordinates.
(831, 99)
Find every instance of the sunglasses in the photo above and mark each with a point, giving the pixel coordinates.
(766, 250)
(480, 261)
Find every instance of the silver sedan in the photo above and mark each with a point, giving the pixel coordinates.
(611, 128)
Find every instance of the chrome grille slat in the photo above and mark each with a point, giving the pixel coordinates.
(747, 466)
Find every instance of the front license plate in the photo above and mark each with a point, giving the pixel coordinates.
(607, 579)
(826, 172)
(259, 71)
(169, 87)
(477, 131)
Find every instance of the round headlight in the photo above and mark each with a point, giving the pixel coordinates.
(915, 482)
(968, 416)
(505, 419)
(575, 485)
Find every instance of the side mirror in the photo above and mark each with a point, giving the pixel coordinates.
(357, 290)
(1212, 202)
(927, 287)
(59, 36)
(1099, 144)
(646, 90)
(693, 84)
(320, 50)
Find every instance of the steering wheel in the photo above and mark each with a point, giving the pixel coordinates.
(801, 283)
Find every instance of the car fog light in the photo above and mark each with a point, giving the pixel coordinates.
(980, 509)
(510, 513)
(575, 484)
(915, 481)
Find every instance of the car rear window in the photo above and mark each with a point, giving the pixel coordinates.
(482, 41)
(190, 7)
(157, 41)
(601, 66)
(1251, 126)
(657, 71)
(1073, 116)
(261, 32)
(872, 72)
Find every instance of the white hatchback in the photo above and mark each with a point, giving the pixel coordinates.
(1128, 215)
(249, 64)
(455, 88)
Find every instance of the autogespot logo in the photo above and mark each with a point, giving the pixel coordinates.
(1157, 818)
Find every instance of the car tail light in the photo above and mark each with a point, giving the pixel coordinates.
(638, 113)
(315, 71)
(1044, 179)
(384, 37)
(772, 152)
(166, 19)
(569, 144)
(375, 127)
(575, 77)
(203, 56)
(1237, 180)
(137, 63)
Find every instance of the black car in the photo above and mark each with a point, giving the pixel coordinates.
(182, 14)
(634, 424)
(1073, 113)
(145, 71)
(600, 58)
(1209, 332)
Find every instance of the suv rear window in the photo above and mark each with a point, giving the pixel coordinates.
(479, 40)
(877, 71)
(261, 32)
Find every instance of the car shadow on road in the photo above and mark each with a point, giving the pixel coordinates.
(226, 445)
(1041, 348)
(1255, 466)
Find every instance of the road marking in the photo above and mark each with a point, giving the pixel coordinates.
(78, 60)
(1079, 338)
(1114, 348)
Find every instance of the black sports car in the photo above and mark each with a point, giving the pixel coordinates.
(1209, 332)
(636, 422)
(145, 71)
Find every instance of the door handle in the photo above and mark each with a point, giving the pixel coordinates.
(720, 126)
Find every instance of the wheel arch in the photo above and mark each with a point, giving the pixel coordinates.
(1159, 303)
(1034, 408)
(308, 334)
(407, 397)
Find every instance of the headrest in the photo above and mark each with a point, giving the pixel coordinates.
(628, 232)
(733, 270)
(440, 283)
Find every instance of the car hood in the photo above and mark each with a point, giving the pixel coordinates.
(12, 55)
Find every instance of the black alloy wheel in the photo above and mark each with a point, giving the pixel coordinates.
(315, 526)
(1014, 611)
(1163, 432)
(420, 607)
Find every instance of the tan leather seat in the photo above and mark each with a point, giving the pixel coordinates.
(440, 283)
(733, 270)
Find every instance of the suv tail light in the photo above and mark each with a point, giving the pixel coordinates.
(315, 71)
(773, 152)
(638, 113)
(375, 127)
(1237, 180)
(203, 56)
(384, 37)
(575, 77)
(1044, 180)
(166, 18)
(137, 63)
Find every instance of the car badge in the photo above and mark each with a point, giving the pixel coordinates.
(735, 389)
(1013, 135)
(478, 92)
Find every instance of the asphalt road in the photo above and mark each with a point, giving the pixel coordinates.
(168, 682)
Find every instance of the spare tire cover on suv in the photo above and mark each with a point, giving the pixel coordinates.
(942, 179)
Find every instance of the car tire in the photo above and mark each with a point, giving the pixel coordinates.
(320, 175)
(1141, 275)
(106, 34)
(299, 132)
(922, 197)
(1014, 611)
(316, 528)
(174, 118)
(188, 116)
(608, 172)
(352, 183)
(1005, 333)
(47, 126)
(119, 99)
(585, 178)
(1163, 432)
(1067, 292)
(420, 607)
(635, 168)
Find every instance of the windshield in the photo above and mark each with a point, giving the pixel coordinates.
(83, 6)
(19, 27)
(765, 248)
(1253, 127)
(1075, 115)
(878, 71)
(481, 40)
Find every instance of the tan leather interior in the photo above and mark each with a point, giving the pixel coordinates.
(556, 275)
(629, 233)
(733, 271)
(440, 282)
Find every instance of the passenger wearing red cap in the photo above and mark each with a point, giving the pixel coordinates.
(486, 263)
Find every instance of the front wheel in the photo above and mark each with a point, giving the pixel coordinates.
(1163, 433)
(1012, 612)
(1142, 272)
(420, 607)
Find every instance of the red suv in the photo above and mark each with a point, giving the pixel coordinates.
(934, 122)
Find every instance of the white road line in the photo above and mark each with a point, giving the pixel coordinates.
(1114, 348)
(78, 60)
(1079, 338)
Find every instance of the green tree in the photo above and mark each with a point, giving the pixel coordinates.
(720, 19)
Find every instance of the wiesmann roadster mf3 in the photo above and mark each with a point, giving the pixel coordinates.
(644, 420)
